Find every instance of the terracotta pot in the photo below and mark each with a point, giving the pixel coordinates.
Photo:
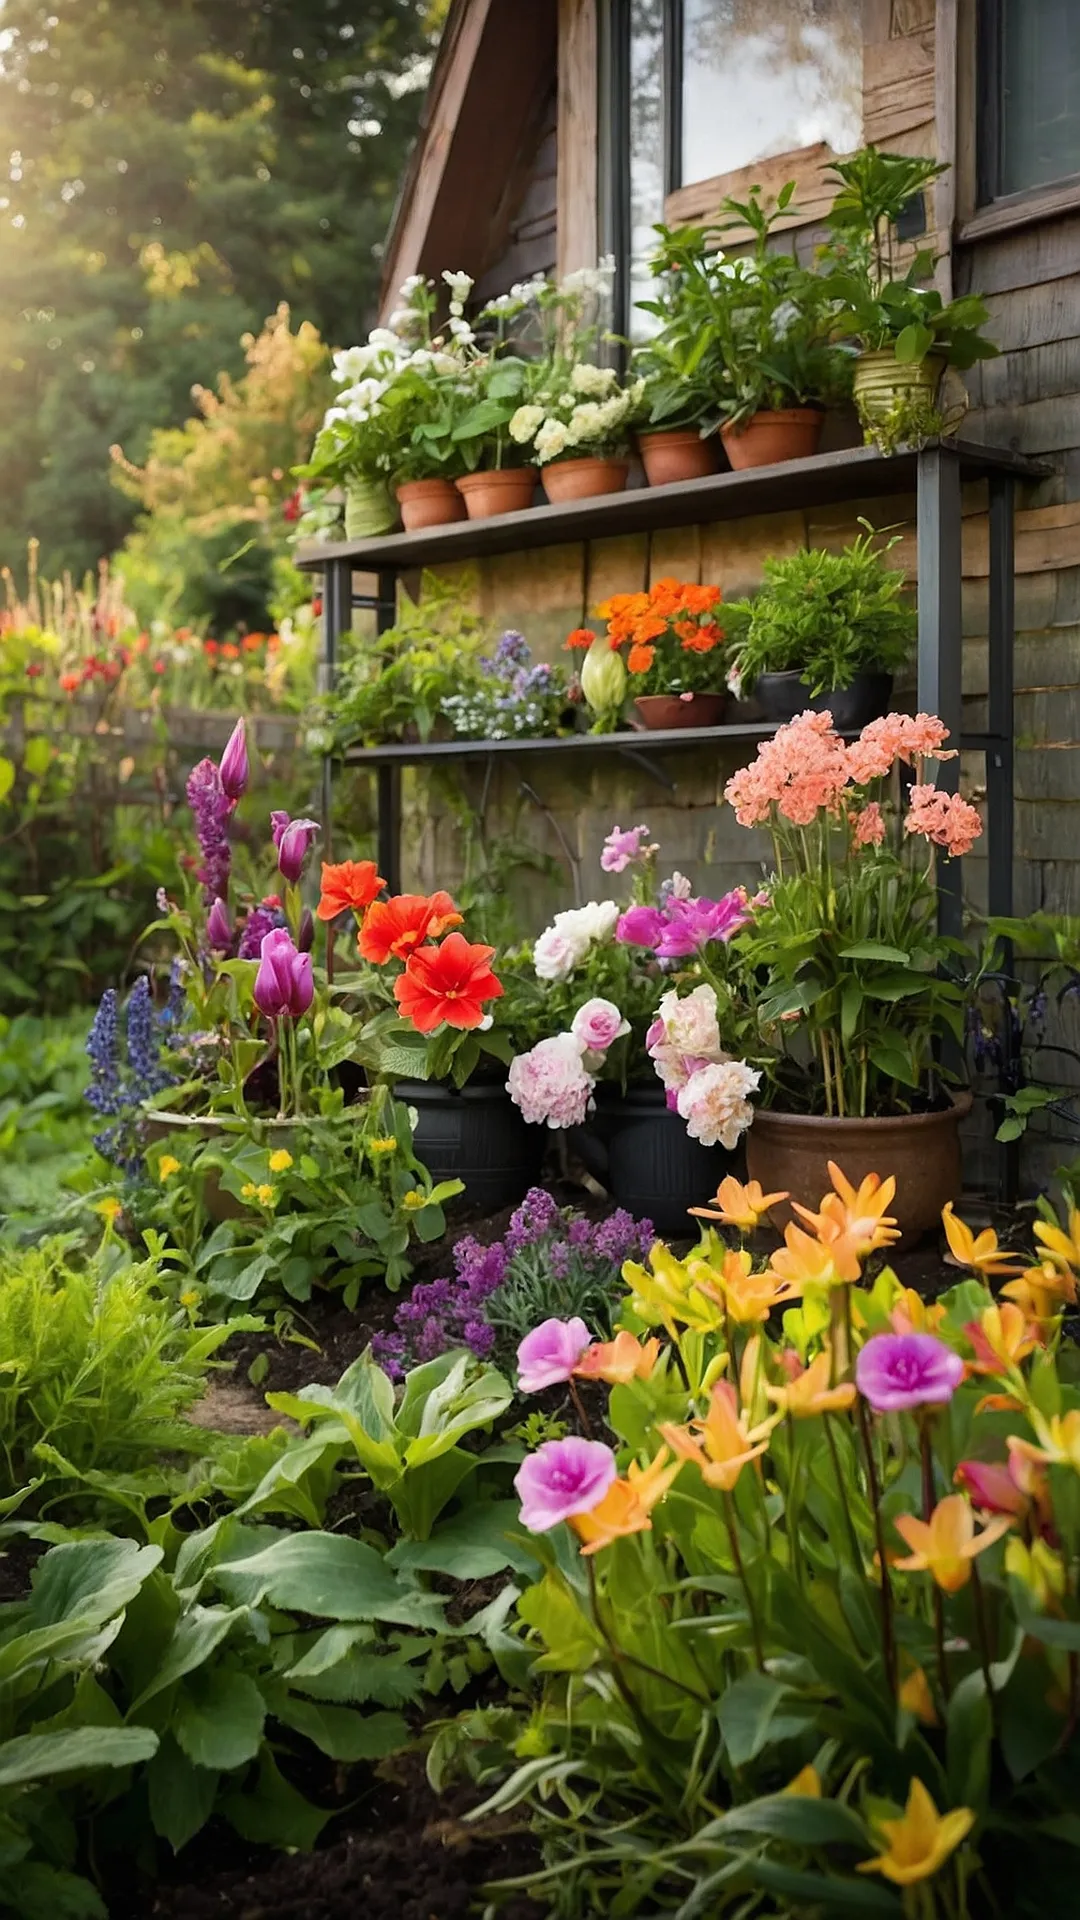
(782, 695)
(503, 490)
(660, 710)
(788, 1152)
(677, 453)
(429, 503)
(880, 380)
(582, 479)
(768, 438)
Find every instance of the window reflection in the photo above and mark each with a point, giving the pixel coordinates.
(1040, 78)
(646, 150)
(762, 77)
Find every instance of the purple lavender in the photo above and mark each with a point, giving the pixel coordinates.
(118, 1090)
(209, 803)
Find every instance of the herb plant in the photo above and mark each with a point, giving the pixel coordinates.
(401, 680)
(826, 616)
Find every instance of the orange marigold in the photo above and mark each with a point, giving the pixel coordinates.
(581, 638)
(640, 658)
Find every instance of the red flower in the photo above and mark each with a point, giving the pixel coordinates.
(581, 638)
(399, 925)
(448, 983)
(351, 884)
(71, 682)
(291, 510)
(34, 670)
(316, 605)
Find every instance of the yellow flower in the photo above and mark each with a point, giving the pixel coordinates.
(859, 1214)
(748, 1297)
(946, 1544)
(830, 1260)
(250, 1191)
(1059, 1438)
(912, 1314)
(722, 1444)
(620, 1360)
(809, 1392)
(978, 1251)
(806, 1784)
(919, 1843)
(739, 1206)
(166, 1166)
(382, 1143)
(280, 1160)
(190, 1298)
(110, 1208)
(414, 1200)
(1041, 1292)
(1061, 1246)
(627, 1504)
(915, 1697)
(1042, 1571)
(667, 1295)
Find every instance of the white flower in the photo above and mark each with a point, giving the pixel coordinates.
(402, 320)
(690, 1023)
(714, 1103)
(462, 332)
(565, 944)
(460, 285)
(444, 363)
(585, 378)
(594, 922)
(524, 422)
(383, 337)
(555, 955)
(409, 286)
(551, 440)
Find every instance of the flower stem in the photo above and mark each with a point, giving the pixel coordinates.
(927, 1458)
(853, 1538)
(887, 1639)
(579, 1409)
(736, 1555)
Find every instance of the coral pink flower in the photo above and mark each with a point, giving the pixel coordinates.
(803, 768)
(561, 1478)
(550, 1353)
(943, 818)
(868, 827)
(897, 736)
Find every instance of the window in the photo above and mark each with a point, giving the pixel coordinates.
(1029, 95)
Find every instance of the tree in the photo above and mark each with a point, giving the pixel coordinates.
(177, 168)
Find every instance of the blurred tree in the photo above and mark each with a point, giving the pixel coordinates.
(174, 170)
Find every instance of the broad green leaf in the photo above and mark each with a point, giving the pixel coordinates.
(825, 1894)
(218, 1717)
(569, 1637)
(39, 1756)
(805, 1821)
(341, 1732)
(7, 777)
(88, 1580)
(969, 1735)
(196, 1637)
(756, 1712)
(273, 1813)
(472, 1546)
(181, 1795)
(327, 1574)
(874, 950)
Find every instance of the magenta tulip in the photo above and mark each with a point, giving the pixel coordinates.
(293, 846)
(284, 987)
(218, 930)
(234, 768)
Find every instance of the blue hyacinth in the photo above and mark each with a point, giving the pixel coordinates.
(118, 1088)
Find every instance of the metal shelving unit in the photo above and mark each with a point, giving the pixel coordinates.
(934, 474)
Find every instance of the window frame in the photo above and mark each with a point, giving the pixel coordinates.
(982, 212)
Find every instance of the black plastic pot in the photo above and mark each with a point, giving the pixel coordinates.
(647, 1160)
(476, 1135)
(782, 695)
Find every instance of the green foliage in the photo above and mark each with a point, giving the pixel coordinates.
(400, 680)
(45, 1124)
(183, 168)
(96, 1363)
(827, 616)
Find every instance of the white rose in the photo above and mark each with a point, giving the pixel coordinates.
(555, 954)
(714, 1103)
(590, 923)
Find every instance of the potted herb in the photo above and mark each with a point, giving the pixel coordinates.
(677, 439)
(674, 660)
(761, 324)
(847, 991)
(577, 417)
(826, 630)
(905, 332)
(395, 686)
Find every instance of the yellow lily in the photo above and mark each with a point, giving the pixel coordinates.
(1062, 1246)
(806, 1784)
(912, 1314)
(1002, 1337)
(921, 1841)
(748, 1297)
(1042, 1571)
(809, 1393)
(979, 1251)
(627, 1504)
(1041, 1292)
(736, 1205)
(822, 1262)
(859, 1214)
(722, 1444)
(1059, 1439)
(667, 1296)
(620, 1360)
(946, 1544)
(915, 1697)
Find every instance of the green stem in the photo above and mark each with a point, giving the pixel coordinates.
(736, 1555)
(887, 1639)
(927, 1459)
(853, 1538)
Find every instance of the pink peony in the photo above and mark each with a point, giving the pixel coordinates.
(622, 849)
(690, 1023)
(561, 1478)
(550, 1083)
(714, 1103)
(550, 1353)
(598, 1024)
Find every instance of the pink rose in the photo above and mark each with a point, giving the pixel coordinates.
(550, 1353)
(550, 1083)
(690, 1023)
(598, 1024)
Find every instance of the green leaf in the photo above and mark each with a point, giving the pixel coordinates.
(824, 1893)
(218, 1718)
(341, 1732)
(327, 1574)
(805, 1821)
(851, 1000)
(273, 1813)
(472, 1546)
(181, 1796)
(752, 1715)
(569, 1637)
(88, 1580)
(38, 1756)
(912, 343)
(874, 950)
(7, 777)
(969, 1736)
(195, 1638)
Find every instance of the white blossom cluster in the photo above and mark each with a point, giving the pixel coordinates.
(592, 411)
(366, 373)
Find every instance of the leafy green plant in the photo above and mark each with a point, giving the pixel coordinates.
(401, 680)
(826, 616)
(45, 1126)
(96, 1362)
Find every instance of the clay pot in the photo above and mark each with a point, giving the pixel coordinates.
(500, 490)
(768, 438)
(789, 1152)
(660, 710)
(677, 453)
(880, 380)
(429, 503)
(782, 695)
(369, 509)
(582, 479)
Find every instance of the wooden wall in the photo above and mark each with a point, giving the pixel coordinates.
(530, 222)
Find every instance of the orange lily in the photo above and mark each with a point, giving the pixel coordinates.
(1059, 1437)
(921, 1841)
(749, 1297)
(978, 1251)
(913, 1314)
(627, 1504)
(809, 1393)
(722, 1444)
(1002, 1337)
(825, 1262)
(859, 1214)
(946, 1544)
(1061, 1246)
(915, 1697)
(1042, 1291)
(620, 1360)
(739, 1206)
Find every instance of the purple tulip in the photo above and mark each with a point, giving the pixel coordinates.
(284, 987)
(561, 1478)
(234, 769)
(898, 1371)
(278, 823)
(693, 924)
(293, 846)
(550, 1353)
(218, 930)
(640, 927)
(305, 938)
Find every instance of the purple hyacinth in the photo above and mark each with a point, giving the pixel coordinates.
(210, 805)
(260, 922)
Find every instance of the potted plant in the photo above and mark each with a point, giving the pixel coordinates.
(576, 416)
(677, 439)
(826, 630)
(760, 324)
(847, 992)
(905, 332)
(674, 660)
(395, 686)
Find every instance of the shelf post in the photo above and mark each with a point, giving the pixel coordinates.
(336, 618)
(940, 568)
(999, 753)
